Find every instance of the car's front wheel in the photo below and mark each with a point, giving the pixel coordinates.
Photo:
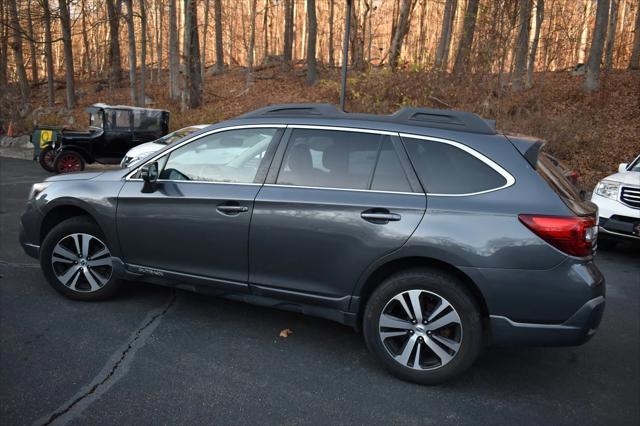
(68, 161)
(424, 326)
(76, 260)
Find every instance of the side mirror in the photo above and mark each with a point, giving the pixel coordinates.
(622, 167)
(149, 174)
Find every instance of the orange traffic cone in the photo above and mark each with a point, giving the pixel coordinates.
(10, 129)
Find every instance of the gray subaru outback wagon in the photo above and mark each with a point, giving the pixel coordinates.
(426, 229)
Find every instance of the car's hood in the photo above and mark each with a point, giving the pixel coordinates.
(629, 178)
(74, 176)
(144, 149)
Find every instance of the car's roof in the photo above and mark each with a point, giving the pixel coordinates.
(128, 107)
(459, 121)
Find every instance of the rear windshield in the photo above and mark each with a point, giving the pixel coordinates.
(565, 189)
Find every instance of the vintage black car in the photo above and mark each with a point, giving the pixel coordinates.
(113, 130)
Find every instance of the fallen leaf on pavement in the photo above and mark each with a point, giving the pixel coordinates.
(285, 333)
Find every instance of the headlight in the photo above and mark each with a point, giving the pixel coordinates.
(37, 188)
(608, 189)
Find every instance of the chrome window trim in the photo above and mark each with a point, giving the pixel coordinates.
(342, 129)
(510, 180)
(195, 138)
(201, 181)
(325, 188)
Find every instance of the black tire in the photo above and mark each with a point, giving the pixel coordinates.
(432, 284)
(62, 234)
(68, 161)
(47, 158)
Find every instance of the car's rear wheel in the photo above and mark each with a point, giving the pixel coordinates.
(76, 260)
(68, 161)
(424, 326)
(47, 158)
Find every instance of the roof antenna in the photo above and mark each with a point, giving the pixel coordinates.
(345, 55)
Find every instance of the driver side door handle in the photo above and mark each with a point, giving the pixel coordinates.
(231, 208)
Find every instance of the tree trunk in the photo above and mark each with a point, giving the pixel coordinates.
(442, 51)
(592, 79)
(133, 90)
(466, 39)
(16, 46)
(582, 42)
(205, 29)
(86, 61)
(287, 49)
(611, 35)
(252, 41)
(534, 44)
(159, 32)
(65, 22)
(47, 52)
(219, 52)
(265, 28)
(634, 63)
(312, 69)
(192, 97)
(32, 46)
(115, 63)
(174, 60)
(401, 31)
(4, 44)
(332, 60)
(143, 52)
(522, 45)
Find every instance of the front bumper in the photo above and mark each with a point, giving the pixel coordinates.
(29, 248)
(617, 220)
(575, 331)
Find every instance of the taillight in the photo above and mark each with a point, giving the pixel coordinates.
(571, 234)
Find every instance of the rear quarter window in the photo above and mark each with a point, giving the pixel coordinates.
(446, 169)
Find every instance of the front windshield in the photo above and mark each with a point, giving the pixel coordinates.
(95, 119)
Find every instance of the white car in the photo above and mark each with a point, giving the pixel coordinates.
(618, 200)
(137, 153)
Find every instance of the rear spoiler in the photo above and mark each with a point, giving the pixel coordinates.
(529, 148)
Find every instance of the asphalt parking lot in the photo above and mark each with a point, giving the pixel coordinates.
(157, 356)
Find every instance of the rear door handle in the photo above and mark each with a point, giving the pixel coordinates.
(231, 209)
(380, 216)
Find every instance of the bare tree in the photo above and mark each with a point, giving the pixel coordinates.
(65, 22)
(16, 46)
(115, 63)
(4, 43)
(174, 60)
(205, 29)
(217, 5)
(442, 51)
(592, 79)
(192, 96)
(287, 49)
(312, 68)
(331, 52)
(401, 31)
(132, 52)
(46, 14)
(252, 41)
(466, 39)
(534, 43)
(143, 52)
(522, 45)
(32, 45)
(265, 28)
(159, 33)
(611, 35)
(634, 63)
(86, 51)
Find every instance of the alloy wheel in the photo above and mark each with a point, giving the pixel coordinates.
(420, 330)
(82, 262)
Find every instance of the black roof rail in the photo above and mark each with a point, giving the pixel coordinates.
(425, 117)
(288, 110)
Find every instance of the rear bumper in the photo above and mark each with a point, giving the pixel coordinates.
(575, 331)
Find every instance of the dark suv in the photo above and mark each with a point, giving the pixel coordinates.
(427, 229)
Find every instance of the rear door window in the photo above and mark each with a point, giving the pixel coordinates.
(446, 169)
